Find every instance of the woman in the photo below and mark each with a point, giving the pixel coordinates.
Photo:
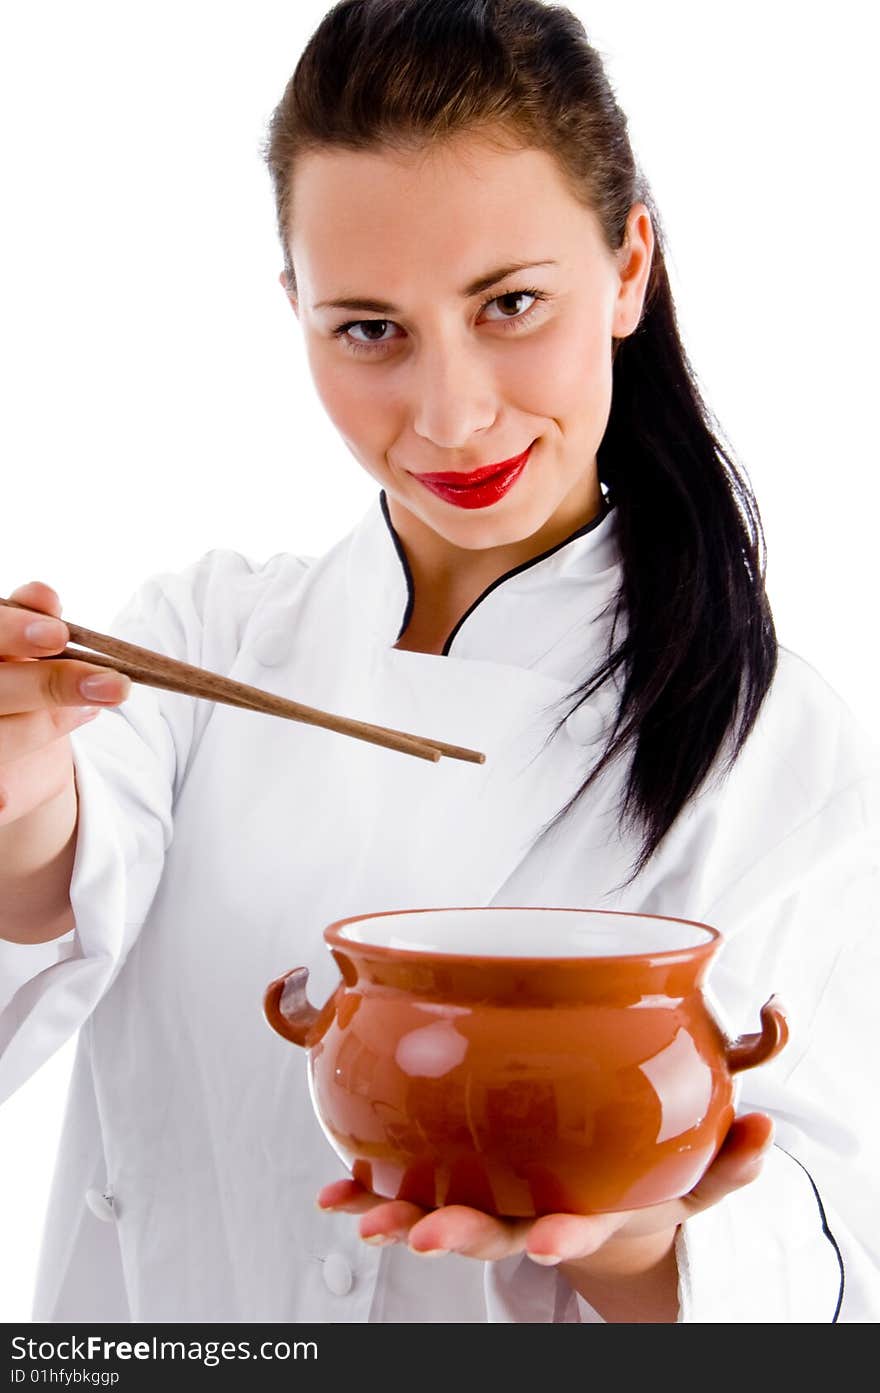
(592, 616)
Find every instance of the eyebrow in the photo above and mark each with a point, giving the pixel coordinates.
(360, 302)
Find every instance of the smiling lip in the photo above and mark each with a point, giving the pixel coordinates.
(477, 476)
(483, 487)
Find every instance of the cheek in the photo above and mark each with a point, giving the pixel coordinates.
(568, 377)
(577, 368)
(349, 397)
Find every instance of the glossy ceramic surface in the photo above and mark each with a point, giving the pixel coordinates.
(569, 1061)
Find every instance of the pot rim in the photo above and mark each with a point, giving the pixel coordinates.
(335, 938)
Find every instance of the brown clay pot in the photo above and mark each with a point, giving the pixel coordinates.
(522, 1061)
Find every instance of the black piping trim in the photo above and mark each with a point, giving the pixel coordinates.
(825, 1229)
(398, 546)
(410, 587)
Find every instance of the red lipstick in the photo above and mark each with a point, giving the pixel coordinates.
(481, 487)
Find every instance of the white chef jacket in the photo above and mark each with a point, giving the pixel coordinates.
(215, 844)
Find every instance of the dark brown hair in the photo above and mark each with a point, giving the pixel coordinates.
(698, 650)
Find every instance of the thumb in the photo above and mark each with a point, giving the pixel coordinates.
(740, 1161)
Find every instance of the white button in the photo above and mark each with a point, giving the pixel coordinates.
(100, 1204)
(338, 1276)
(274, 646)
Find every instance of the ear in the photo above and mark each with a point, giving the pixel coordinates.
(634, 267)
(292, 298)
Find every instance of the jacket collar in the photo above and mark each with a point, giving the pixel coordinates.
(538, 614)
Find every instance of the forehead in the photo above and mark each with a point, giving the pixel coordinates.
(381, 217)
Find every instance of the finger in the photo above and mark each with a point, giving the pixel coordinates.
(390, 1221)
(25, 634)
(347, 1196)
(36, 595)
(457, 1228)
(33, 730)
(32, 686)
(440, 1230)
(738, 1163)
(564, 1237)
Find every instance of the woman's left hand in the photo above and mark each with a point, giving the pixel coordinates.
(590, 1249)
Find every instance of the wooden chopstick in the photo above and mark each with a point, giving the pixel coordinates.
(152, 669)
(266, 702)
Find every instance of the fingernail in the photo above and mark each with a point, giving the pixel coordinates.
(48, 633)
(378, 1239)
(545, 1259)
(429, 1252)
(105, 687)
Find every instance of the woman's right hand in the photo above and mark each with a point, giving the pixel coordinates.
(41, 702)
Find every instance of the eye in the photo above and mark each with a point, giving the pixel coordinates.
(513, 295)
(510, 322)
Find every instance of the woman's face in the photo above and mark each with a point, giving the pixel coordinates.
(442, 377)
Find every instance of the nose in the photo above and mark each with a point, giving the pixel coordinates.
(454, 393)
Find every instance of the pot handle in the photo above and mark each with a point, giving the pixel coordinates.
(287, 1008)
(749, 1050)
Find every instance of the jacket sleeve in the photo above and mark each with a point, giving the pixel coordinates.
(130, 765)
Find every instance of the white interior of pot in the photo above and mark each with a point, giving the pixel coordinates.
(527, 933)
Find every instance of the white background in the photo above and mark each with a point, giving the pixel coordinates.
(157, 401)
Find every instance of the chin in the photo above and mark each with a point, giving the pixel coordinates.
(473, 532)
